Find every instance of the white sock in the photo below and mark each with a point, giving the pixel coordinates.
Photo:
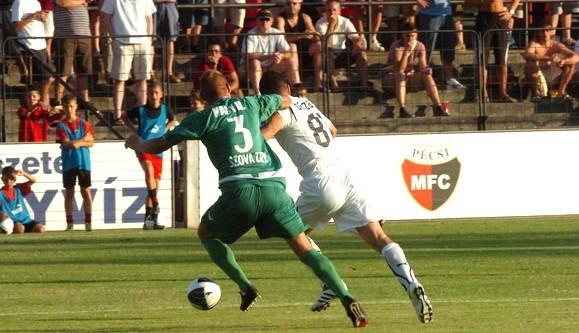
(373, 37)
(314, 245)
(397, 262)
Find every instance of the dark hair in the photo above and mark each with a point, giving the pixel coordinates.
(272, 82)
(408, 27)
(154, 84)
(69, 98)
(9, 171)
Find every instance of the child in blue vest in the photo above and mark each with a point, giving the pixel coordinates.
(152, 120)
(75, 136)
(14, 216)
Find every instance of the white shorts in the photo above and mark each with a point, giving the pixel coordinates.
(332, 195)
(136, 57)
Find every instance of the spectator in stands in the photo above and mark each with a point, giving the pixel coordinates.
(35, 119)
(408, 69)
(129, 18)
(237, 19)
(28, 21)
(548, 60)
(198, 104)
(564, 11)
(494, 16)
(376, 22)
(167, 27)
(74, 43)
(339, 29)
(192, 21)
(214, 59)
(299, 29)
(75, 136)
(265, 48)
(152, 120)
(13, 209)
(436, 15)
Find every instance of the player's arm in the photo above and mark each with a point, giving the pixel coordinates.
(569, 56)
(153, 146)
(273, 125)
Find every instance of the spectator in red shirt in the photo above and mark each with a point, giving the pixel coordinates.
(215, 60)
(35, 119)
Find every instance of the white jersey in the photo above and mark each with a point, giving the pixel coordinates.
(327, 191)
(306, 136)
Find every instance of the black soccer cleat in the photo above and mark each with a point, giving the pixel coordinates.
(355, 313)
(248, 298)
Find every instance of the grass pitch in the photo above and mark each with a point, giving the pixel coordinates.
(507, 275)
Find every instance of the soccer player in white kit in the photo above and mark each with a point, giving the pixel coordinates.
(327, 190)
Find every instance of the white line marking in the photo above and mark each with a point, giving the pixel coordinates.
(282, 305)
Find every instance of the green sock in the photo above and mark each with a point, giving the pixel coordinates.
(325, 271)
(222, 255)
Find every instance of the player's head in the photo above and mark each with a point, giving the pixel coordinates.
(273, 82)
(69, 105)
(214, 86)
(8, 175)
(155, 93)
(32, 97)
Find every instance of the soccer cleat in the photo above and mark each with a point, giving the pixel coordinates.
(355, 313)
(248, 298)
(323, 301)
(88, 226)
(69, 227)
(420, 302)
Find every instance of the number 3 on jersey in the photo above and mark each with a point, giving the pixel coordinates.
(247, 140)
(320, 134)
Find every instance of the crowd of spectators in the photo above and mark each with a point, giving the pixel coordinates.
(304, 41)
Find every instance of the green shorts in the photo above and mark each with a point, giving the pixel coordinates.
(263, 204)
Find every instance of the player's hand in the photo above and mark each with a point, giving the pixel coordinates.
(276, 57)
(132, 141)
(19, 173)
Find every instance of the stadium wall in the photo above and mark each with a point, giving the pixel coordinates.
(118, 185)
(440, 176)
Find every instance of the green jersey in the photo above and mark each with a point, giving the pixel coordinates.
(230, 130)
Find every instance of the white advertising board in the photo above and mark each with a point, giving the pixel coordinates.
(463, 175)
(118, 185)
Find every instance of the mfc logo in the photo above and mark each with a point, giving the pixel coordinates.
(431, 185)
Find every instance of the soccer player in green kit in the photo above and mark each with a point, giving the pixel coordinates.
(253, 191)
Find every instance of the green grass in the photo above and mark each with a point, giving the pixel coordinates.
(503, 275)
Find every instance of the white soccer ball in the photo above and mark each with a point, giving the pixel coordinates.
(203, 293)
(7, 226)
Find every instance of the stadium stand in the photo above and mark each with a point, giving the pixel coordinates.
(353, 110)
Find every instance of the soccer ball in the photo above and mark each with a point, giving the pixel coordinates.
(203, 293)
